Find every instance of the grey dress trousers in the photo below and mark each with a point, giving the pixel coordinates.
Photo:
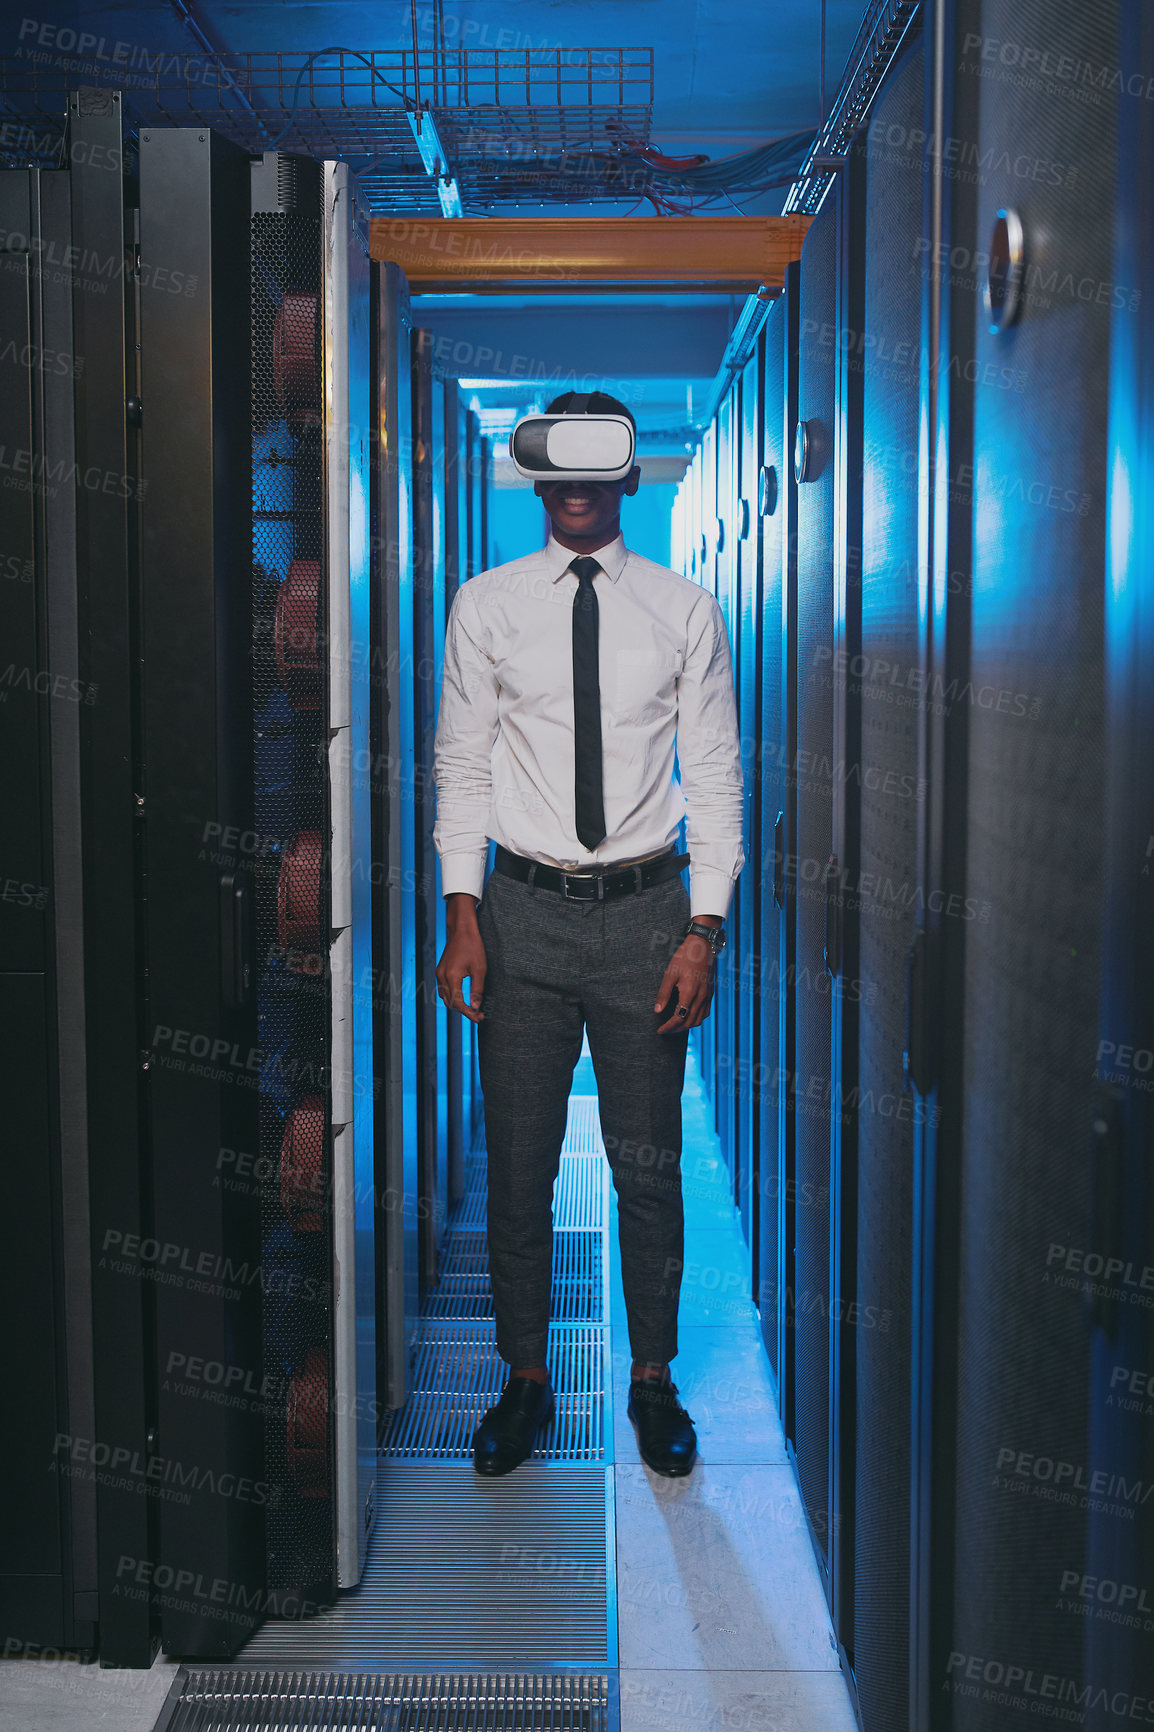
(556, 967)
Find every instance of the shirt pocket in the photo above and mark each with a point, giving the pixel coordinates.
(645, 683)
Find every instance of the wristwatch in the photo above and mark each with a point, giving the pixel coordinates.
(714, 936)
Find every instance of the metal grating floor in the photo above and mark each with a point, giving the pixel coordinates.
(463, 1291)
(458, 1372)
(390, 1702)
(508, 1573)
(578, 1196)
(480, 1576)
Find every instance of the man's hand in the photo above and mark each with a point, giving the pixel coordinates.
(463, 956)
(691, 970)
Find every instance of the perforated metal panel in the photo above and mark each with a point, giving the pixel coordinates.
(1033, 712)
(746, 901)
(724, 1012)
(775, 500)
(291, 870)
(462, 1572)
(431, 1019)
(458, 1372)
(887, 902)
(706, 1036)
(389, 1702)
(815, 772)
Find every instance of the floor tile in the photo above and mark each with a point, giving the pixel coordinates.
(715, 1572)
(720, 1248)
(678, 1701)
(715, 1282)
(47, 1695)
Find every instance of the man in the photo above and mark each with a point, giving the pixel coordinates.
(570, 678)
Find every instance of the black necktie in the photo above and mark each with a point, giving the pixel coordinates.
(588, 799)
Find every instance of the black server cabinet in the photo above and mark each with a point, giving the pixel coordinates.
(884, 888)
(811, 862)
(723, 1019)
(476, 485)
(458, 1071)
(1024, 741)
(707, 1040)
(293, 870)
(747, 895)
(1122, 1346)
(48, 1557)
(200, 888)
(70, 944)
(394, 841)
(429, 555)
(309, 872)
(106, 529)
(777, 746)
(843, 890)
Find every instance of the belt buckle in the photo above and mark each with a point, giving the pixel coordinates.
(581, 877)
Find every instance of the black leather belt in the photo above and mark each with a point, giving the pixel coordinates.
(600, 886)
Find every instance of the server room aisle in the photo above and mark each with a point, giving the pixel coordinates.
(582, 1581)
(720, 1615)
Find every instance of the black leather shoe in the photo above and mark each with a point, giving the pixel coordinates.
(665, 1434)
(507, 1432)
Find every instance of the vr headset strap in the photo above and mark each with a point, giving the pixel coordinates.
(579, 405)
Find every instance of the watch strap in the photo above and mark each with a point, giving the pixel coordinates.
(714, 936)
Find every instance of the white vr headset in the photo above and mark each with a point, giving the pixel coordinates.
(573, 447)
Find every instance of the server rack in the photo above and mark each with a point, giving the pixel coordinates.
(883, 886)
(815, 886)
(1121, 1340)
(776, 760)
(348, 380)
(707, 577)
(458, 1055)
(311, 420)
(103, 441)
(199, 561)
(1018, 983)
(58, 742)
(394, 838)
(747, 904)
(722, 1020)
(477, 477)
(198, 823)
(429, 501)
(843, 900)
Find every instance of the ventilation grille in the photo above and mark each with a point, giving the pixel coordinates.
(396, 1702)
(290, 884)
(463, 1291)
(462, 1573)
(466, 1573)
(458, 1372)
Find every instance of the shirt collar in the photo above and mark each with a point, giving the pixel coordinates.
(611, 558)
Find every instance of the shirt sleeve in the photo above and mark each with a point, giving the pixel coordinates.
(463, 751)
(709, 756)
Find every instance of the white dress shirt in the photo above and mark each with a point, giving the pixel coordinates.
(504, 762)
